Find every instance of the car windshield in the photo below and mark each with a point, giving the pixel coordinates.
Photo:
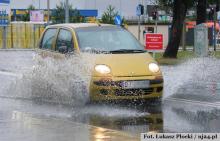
(107, 39)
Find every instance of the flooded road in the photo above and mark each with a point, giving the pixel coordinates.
(191, 103)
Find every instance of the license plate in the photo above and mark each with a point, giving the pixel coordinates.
(135, 84)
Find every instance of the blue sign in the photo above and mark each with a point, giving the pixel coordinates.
(4, 12)
(4, 18)
(138, 10)
(118, 20)
(88, 13)
(5, 1)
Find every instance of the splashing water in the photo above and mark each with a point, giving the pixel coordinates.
(63, 80)
(67, 80)
(194, 73)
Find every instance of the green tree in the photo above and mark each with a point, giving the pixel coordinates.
(109, 15)
(26, 17)
(58, 15)
(179, 13)
(179, 8)
(165, 5)
(201, 11)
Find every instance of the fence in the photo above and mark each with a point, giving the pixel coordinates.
(21, 35)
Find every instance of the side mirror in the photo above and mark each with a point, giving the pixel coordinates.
(63, 49)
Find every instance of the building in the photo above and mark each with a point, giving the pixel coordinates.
(18, 14)
(126, 8)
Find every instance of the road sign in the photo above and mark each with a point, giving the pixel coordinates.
(138, 10)
(5, 1)
(118, 20)
(154, 42)
(4, 12)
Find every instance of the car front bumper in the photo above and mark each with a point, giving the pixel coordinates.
(111, 89)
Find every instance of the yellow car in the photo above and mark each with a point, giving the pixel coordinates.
(123, 70)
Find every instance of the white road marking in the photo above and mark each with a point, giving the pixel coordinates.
(10, 74)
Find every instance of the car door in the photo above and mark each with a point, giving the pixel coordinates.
(64, 41)
(48, 39)
(47, 42)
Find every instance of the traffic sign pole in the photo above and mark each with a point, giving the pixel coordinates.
(139, 10)
(154, 54)
(4, 18)
(139, 27)
(156, 24)
(67, 17)
(4, 37)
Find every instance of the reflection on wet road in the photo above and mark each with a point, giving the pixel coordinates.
(23, 120)
(190, 104)
(19, 116)
(187, 116)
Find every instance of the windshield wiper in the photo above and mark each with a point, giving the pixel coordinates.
(128, 51)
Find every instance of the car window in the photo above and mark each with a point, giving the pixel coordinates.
(106, 39)
(48, 38)
(64, 39)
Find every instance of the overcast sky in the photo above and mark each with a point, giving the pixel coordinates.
(127, 7)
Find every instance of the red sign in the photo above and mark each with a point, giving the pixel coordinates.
(154, 41)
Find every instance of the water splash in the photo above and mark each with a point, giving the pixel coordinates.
(108, 111)
(193, 74)
(63, 80)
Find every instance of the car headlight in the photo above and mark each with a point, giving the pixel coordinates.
(153, 67)
(103, 69)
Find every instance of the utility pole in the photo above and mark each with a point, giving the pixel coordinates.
(67, 17)
(39, 4)
(95, 4)
(213, 7)
(48, 12)
(120, 7)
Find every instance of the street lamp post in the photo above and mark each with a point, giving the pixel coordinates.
(120, 7)
(67, 12)
(48, 12)
(39, 4)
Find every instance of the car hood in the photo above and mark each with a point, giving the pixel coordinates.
(126, 65)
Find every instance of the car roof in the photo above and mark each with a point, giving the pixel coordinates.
(79, 25)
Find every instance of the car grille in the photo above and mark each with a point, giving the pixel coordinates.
(133, 92)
